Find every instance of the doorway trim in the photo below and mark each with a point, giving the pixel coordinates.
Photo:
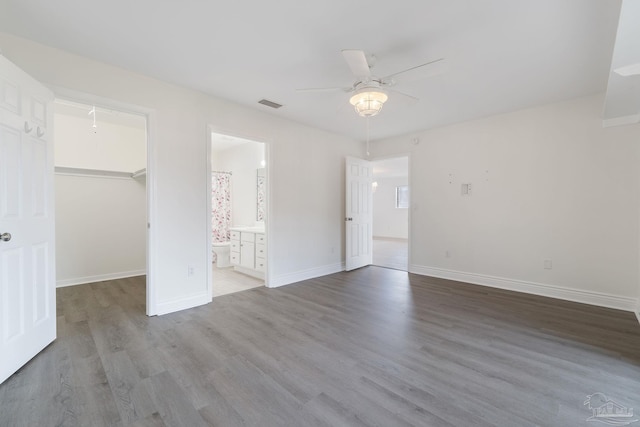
(268, 205)
(411, 202)
(151, 125)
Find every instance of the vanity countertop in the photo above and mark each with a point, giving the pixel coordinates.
(249, 229)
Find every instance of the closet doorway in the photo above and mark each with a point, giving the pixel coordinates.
(390, 192)
(237, 197)
(101, 195)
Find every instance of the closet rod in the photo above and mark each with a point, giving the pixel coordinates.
(230, 173)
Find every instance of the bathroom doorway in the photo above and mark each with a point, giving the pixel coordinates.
(238, 214)
(390, 192)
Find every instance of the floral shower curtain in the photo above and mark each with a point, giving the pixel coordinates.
(221, 206)
(261, 198)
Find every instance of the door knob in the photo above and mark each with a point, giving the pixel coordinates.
(5, 237)
(348, 219)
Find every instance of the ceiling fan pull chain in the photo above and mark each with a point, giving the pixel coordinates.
(368, 118)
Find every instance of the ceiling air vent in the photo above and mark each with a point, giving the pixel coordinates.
(269, 103)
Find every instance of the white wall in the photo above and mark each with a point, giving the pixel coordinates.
(306, 178)
(243, 161)
(100, 221)
(110, 146)
(389, 221)
(548, 183)
(100, 228)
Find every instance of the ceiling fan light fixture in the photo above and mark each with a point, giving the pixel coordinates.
(368, 102)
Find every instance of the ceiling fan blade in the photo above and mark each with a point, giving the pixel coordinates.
(402, 97)
(357, 61)
(629, 70)
(421, 71)
(324, 89)
(397, 101)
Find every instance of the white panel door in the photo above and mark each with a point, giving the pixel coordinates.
(27, 248)
(359, 214)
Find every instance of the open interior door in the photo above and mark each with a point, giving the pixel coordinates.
(27, 248)
(359, 216)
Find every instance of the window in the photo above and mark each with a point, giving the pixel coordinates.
(402, 197)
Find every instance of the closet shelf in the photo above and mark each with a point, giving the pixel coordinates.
(141, 174)
(62, 170)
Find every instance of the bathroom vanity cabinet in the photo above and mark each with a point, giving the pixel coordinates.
(248, 251)
(261, 252)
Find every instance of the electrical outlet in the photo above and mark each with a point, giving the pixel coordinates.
(191, 271)
(548, 264)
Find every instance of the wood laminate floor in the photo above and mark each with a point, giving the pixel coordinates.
(371, 347)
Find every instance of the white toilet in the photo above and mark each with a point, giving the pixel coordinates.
(221, 249)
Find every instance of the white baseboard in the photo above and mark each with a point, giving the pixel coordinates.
(311, 273)
(98, 278)
(182, 303)
(553, 291)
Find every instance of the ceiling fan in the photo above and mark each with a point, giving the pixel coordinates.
(370, 92)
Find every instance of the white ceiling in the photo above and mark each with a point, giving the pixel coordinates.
(502, 54)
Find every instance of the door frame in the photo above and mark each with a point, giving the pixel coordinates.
(411, 202)
(151, 119)
(268, 204)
